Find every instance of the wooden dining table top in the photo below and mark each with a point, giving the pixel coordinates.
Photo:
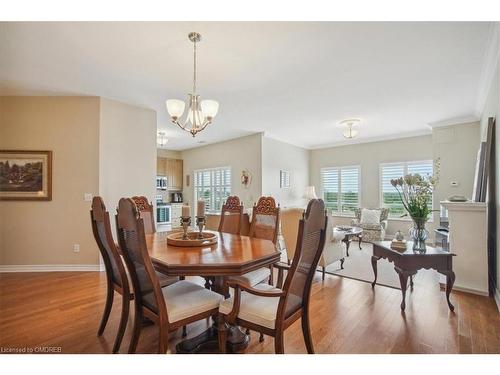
(233, 255)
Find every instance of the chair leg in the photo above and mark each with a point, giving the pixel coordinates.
(123, 323)
(306, 331)
(107, 310)
(271, 279)
(261, 337)
(323, 274)
(163, 340)
(278, 343)
(136, 332)
(247, 331)
(184, 331)
(222, 333)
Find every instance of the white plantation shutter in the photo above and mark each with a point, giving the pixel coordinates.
(389, 195)
(213, 186)
(340, 188)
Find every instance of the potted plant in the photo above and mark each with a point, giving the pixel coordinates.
(415, 192)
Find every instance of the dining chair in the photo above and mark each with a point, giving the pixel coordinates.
(169, 308)
(117, 275)
(231, 213)
(271, 310)
(146, 210)
(265, 225)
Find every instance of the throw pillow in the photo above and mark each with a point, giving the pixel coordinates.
(370, 216)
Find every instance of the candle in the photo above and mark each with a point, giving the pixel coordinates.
(185, 211)
(201, 208)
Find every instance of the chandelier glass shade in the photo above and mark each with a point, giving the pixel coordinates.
(200, 113)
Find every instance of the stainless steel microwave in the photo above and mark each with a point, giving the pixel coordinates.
(161, 182)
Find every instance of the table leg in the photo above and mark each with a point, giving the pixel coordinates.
(347, 243)
(403, 279)
(450, 280)
(411, 282)
(207, 341)
(374, 266)
(342, 263)
(360, 238)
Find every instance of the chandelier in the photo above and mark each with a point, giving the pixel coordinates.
(350, 132)
(200, 113)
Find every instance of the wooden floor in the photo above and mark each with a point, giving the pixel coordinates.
(63, 309)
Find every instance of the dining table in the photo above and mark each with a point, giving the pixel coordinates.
(232, 255)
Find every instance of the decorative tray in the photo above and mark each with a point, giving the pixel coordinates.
(192, 240)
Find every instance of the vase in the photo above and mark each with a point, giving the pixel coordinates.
(419, 234)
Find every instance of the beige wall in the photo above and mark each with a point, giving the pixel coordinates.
(241, 153)
(492, 109)
(457, 147)
(276, 156)
(369, 156)
(44, 232)
(127, 153)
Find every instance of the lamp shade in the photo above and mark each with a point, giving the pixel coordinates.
(209, 108)
(310, 193)
(175, 107)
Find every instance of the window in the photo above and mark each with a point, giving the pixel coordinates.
(340, 186)
(284, 179)
(213, 186)
(389, 196)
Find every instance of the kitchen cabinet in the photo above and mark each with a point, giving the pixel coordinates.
(173, 170)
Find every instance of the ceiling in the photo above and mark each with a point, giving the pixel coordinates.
(293, 80)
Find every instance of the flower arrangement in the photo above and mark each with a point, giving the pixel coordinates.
(415, 192)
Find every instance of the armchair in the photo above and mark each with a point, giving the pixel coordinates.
(334, 249)
(372, 232)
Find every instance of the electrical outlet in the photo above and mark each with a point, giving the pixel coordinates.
(76, 248)
(87, 197)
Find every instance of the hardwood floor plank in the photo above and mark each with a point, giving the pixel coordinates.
(63, 309)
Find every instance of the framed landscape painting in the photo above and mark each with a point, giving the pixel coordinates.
(25, 175)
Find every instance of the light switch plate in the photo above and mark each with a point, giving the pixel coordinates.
(87, 197)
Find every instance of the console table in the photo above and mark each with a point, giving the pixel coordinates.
(407, 263)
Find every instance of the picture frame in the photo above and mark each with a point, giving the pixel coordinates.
(25, 175)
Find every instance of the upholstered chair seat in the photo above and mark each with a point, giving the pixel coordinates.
(254, 277)
(185, 299)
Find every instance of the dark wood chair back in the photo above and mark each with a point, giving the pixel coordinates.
(231, 215)
(101, 229)
(146, 210)
(310, 242)
(265, 219)
(132, 241)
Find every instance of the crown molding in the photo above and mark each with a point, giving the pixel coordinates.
(453, 121)
(490, 63)
(389, 137)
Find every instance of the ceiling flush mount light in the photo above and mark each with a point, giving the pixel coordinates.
(350, 124)
(200, 113)
(161, 139)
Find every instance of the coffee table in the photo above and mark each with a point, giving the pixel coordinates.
(353, 232)
(407, 263)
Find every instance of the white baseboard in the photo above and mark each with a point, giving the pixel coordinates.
(497, 298)
(50, 268)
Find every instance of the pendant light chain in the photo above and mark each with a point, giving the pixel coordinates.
(194, 68)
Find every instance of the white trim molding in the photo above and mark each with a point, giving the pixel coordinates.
(453, 121)
(50, 268)
(490, 63)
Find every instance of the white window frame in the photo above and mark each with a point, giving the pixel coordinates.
(339, 168)
(211, 210)
(405, 165)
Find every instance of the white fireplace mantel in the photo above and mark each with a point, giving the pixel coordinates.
(468, 240)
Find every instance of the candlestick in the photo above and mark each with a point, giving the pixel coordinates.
(200, 222)
(185, 223)
(185, 211)
(200, 212)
